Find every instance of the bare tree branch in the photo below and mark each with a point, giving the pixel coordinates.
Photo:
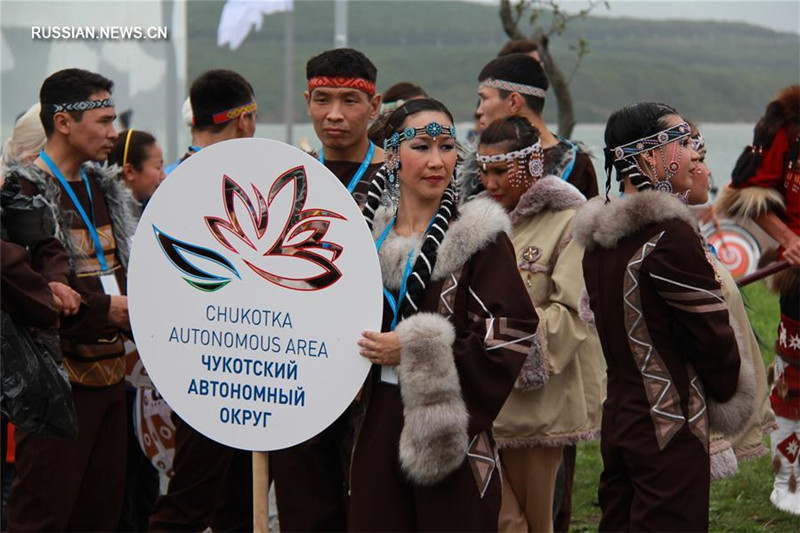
(540, 33)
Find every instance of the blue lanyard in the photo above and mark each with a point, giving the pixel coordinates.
(574, 150)
(98, 247)
(361, 170)
(395, 303)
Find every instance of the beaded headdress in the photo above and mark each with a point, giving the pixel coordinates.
(627, 165)
(514, 87)
(83, 105)
(391, 146)
(339, 82)
(527, 161)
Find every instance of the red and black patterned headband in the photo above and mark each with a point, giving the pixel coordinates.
(225, 116)
(338, 82)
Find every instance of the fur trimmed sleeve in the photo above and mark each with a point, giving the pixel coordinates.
(496, 328)
(434, 439)
(730, 417)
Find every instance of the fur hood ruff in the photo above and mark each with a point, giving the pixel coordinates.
(117, 198)
(480, 221)
(604, 225)
(548, 193)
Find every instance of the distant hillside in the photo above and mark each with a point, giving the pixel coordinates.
(711, 71)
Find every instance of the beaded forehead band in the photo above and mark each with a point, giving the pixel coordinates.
(339, 82)
(508, 157)
(225, 116)
(530, 159)
(653, 141)
(513, 87)
(433, 130)
(83, 105)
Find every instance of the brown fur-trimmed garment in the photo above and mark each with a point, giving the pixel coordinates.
(426, 441)
(670, 349)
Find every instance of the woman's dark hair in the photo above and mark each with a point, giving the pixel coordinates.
(630, 124)
(403, 90)
(138, 146)
(398, 117)
(448, 211)
(514, 132)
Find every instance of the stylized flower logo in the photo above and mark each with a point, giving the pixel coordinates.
(291, 252)
(177, 251)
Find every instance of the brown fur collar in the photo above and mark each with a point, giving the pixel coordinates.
(479, 223)
(117, 197)
(604, 225)
(789, 98)
(549, 193)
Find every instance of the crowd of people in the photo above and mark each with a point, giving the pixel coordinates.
(525, 313)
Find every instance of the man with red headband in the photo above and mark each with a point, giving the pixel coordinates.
(310, 478)
(211, 487)
(341, 100)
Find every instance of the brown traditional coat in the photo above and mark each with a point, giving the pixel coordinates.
(671, 355)
(93, 351)
(424, 457)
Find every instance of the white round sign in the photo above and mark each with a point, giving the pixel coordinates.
(251, 279)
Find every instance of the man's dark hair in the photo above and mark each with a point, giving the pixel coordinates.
(518, 68)
(518, 46)
(68, 86)
(403, 90)
(341, 62)
(215, 91)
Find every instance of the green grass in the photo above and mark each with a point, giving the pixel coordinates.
(740, 503)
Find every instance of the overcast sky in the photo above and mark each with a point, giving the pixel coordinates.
(780, 15)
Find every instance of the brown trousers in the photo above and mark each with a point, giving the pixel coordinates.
(212, 486)
(78, 485)
(529, 479)
(310, 481)
(644, 489)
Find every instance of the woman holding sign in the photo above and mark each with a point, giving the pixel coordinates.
(452, 344)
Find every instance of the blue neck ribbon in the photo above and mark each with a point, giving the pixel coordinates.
(90, 225)
(395, 303)
(361, 170)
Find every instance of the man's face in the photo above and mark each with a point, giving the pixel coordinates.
(94, 135)
(341, 115)
(490, 106)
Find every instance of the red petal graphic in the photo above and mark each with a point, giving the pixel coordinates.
(299, 221)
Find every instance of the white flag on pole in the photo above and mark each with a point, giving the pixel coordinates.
(239, 17)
